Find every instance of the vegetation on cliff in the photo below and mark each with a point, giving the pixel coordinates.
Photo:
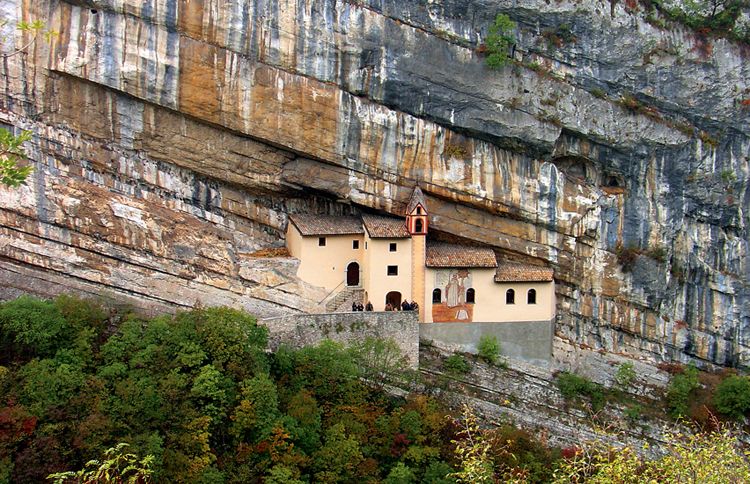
(199, 393)
(196, 397)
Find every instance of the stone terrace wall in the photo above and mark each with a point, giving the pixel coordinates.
(300, 330)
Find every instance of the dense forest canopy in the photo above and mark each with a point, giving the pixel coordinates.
(200, 395)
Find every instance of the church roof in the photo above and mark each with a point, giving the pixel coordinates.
(516, 272)
(326, 224)
(417, 198)
(379, 227)
(442, 254)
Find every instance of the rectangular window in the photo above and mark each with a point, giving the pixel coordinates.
(392, 270)
(355, 244)
(321, 241)
(392, 247)
(365, 245)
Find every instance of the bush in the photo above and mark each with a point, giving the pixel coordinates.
(681, 388)
(625, 375)
(499, 41)
(627, 256)
(489, 349)
(732, 396)
(686, 457)
(634, 412)
(456, 364)
(574, 386)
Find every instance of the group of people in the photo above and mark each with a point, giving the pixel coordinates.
(405, 306)
(359, 307)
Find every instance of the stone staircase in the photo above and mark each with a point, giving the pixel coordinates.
(342, 301)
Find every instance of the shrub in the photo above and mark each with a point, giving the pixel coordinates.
(633, 412)
(455, 151)
(574, 386)
(728, 176)
(732, 396)
(597, 92)
(657, 253)
(680, 389)
(563, 34)
(456, 364)
(489, 349)
(627, 256)
(625, 375)
(499, 41)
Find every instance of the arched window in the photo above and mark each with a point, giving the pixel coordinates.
(418, 226)
(531, 297)
(470, 294)
(436, 296)
(419, 210)
(510, 296)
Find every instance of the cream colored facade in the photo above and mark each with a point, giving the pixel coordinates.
(324, 266)
(377, 258)
(490, 298)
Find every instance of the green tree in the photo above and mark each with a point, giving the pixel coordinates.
(257, 412)
(499, 41)
(338, 459)
(400, 474)
(381, 362)
(472, 451)
(732, 396)
(116, 467)
(31, 327)
(680, 390)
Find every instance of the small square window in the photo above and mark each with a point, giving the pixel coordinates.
(355, 244)
(392, 270)
(392, 247)
(321, 241)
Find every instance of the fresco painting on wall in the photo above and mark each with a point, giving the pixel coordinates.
(453, 307)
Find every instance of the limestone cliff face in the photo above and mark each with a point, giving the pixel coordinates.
(173, 137)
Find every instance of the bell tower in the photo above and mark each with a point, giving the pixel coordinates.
(416, 223)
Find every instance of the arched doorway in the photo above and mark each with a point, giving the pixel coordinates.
(352, 274)
(394, 299)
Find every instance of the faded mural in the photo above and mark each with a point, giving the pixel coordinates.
(453, 307)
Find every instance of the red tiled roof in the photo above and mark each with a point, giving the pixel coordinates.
(379, 227)
(326, 224)
(516, 272)
(441, 254)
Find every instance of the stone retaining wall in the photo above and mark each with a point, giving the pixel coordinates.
(300, 330)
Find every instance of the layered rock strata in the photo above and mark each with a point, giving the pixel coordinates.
(173, 137)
